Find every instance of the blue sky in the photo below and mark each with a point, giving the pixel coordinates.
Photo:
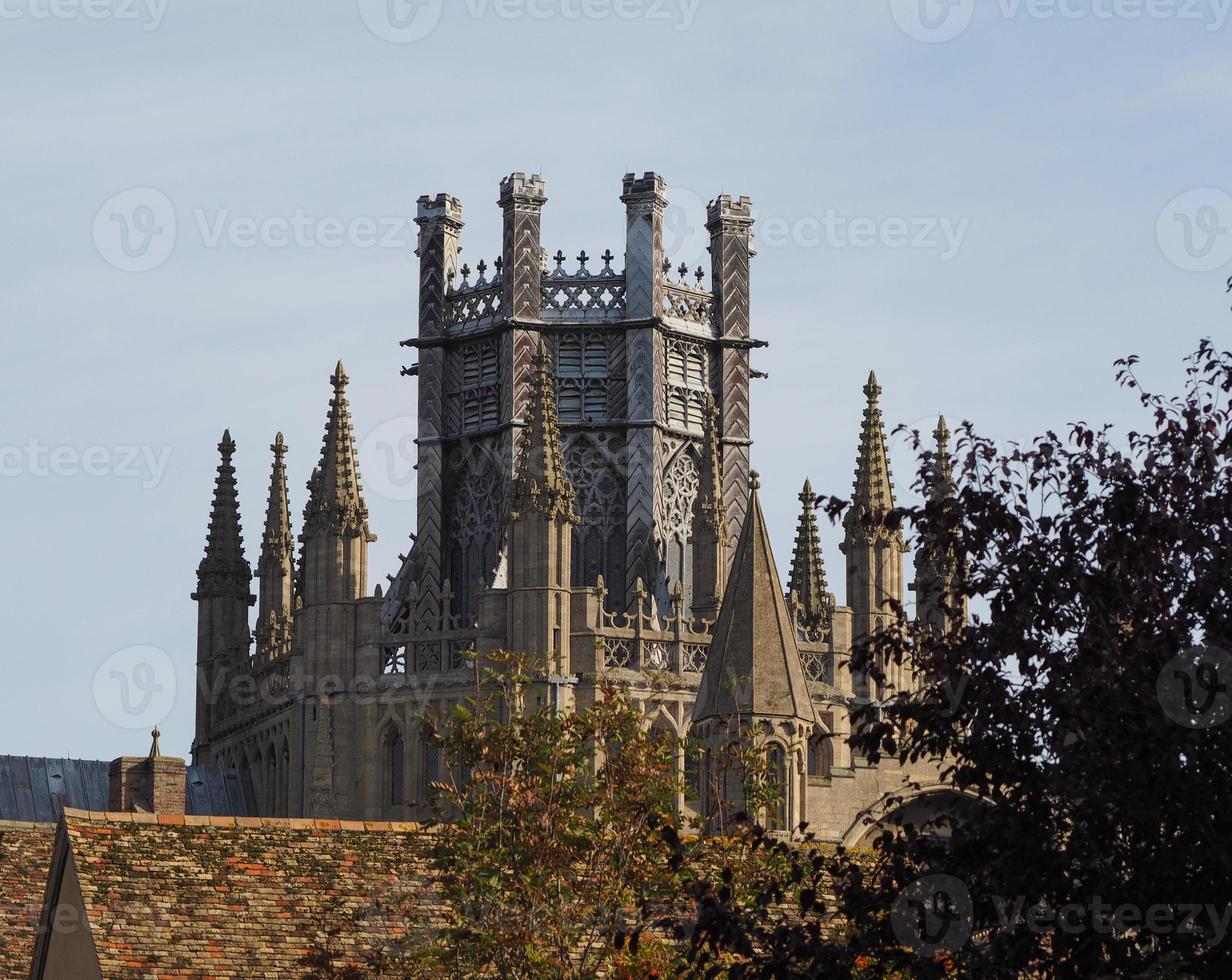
(1071, 149)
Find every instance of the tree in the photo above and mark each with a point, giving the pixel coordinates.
(1092, 725)
(551, 847)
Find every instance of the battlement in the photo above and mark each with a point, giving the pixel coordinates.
(724, 208)
(442, 207)
(524, 284)
(648, 186)
(518, 185)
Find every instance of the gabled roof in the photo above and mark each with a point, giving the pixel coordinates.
(754, 664)
(164, 895)
(36, 790)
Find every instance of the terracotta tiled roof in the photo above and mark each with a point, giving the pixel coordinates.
(25, 859)
(235, 896)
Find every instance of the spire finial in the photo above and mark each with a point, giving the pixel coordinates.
(942, 433)
(335, 493)
(754, 480)
(276, 566)
(155, 751)
(223, 570)
(873, 489)
(807, 581)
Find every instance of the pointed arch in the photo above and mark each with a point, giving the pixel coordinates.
(778, 781)
(594, 464)
(680, 484)
(283, 808)
(393, 778)
(270, 781)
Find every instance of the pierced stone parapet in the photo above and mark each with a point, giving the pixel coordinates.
(685, 300)
(584, 296)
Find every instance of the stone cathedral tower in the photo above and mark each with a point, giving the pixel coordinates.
(638, 356)
(584, 495)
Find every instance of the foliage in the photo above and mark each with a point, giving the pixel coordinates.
(551, 852)
(1070, 709)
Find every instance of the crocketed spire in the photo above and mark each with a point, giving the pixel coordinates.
(873, 489)
(276, 567)
(941, 480)
(940, 565)
(541, 483)
(807, 582)
(277, 543)
(336, 502)
(224, 571)
(710, 509)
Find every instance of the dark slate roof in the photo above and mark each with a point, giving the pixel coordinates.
(36, 790)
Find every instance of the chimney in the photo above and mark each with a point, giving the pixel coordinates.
(154, 784)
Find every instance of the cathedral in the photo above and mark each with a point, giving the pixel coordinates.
(585, 495)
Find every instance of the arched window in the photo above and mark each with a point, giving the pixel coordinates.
(581, 377)
(431, 767)
(692, 769)
(688, 384)
(395, 768)
(819, 756)
(478, 397)
(271, 781)
(776, 781)
(283, 803)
